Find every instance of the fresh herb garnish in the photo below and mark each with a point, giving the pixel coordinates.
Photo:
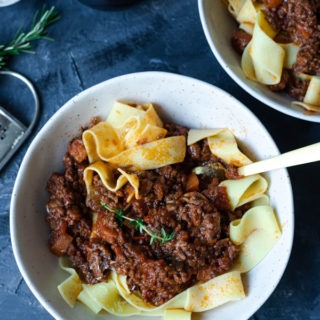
(139, 224)
(21, 42)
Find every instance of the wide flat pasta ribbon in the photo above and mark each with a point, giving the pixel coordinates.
(70, 288)
(136, 126)
(247, 27)
(245, 12)
(152, 155)
(247, 189)
(222, 144)
(101, 142)
(86, 299)
(291, 52)
(248, 13)
(234, 6)
(263, 58)
(133, 137)
(107, 297)
(125, 127)
(122, 112)
(174, 314)
(105, 172)
(143, 133)
(242, 8)
(198, 298)
(256, 233)
(215, 292)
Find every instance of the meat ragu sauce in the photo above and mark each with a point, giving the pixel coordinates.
(194, 208)
(296, 21)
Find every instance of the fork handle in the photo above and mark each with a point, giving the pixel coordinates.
(292, 158)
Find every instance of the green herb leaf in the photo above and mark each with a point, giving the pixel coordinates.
(21, 41)
(154, 237)
(119, 215)
(106, 207)
(140, 225)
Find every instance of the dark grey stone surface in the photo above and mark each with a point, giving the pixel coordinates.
(91, 46)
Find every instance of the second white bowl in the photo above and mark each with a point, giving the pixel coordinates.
(218, 25)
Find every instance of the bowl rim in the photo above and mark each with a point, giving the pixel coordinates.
(69, 104)
(245, 84)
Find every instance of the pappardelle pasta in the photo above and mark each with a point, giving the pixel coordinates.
(279, 44)
(153, 219)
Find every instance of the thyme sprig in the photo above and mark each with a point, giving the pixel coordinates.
(140, 226)
(21, 41)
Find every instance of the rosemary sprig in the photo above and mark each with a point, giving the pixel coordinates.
(21, 42)
(139, 224)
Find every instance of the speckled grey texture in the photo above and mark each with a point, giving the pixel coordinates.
(91, 46)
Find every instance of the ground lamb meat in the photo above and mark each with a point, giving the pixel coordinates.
(173, 199)
(297, 87)
(240, 40)
(299, 19)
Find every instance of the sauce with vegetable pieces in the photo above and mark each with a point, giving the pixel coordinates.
(175, 235)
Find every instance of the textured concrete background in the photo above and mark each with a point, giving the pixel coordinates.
(91, 46)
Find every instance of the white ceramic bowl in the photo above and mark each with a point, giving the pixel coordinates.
(218, 25)
(186, 101)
